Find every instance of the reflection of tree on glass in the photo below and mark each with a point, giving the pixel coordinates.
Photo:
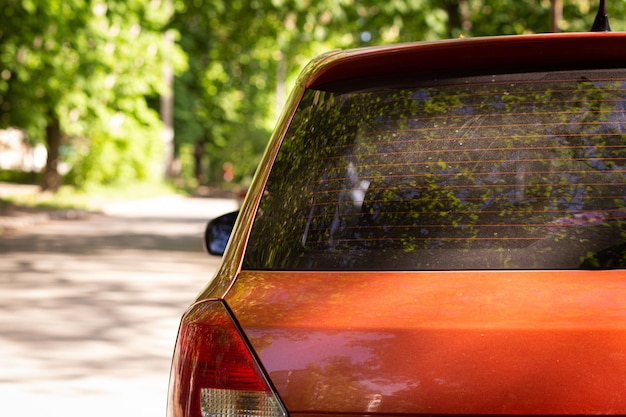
(497, 173)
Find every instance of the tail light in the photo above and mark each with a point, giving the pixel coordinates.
(214, 373)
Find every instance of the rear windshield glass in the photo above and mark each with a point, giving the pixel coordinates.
(498, 172)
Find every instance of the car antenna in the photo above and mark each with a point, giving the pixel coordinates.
(601, 23)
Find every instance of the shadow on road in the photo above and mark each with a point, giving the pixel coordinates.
(123, 236)
(90, 312)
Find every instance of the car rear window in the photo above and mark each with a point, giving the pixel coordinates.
(510, 171)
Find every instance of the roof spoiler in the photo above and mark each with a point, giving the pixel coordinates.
(601, 23)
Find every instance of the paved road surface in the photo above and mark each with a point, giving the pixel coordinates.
(89, 308)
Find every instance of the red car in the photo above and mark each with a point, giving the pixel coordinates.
(435, 228)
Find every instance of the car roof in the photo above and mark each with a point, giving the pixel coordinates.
(518, 53)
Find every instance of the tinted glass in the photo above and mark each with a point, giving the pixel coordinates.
(498, 172)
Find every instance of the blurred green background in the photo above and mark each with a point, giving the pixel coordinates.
(121, 92)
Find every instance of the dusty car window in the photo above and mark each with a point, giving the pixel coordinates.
(490, 172)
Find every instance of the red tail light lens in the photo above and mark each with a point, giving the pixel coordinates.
(213, 372)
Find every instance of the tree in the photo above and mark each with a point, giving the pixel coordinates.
(244, 56)
(238, 79)
(88, 70)
(80, 72)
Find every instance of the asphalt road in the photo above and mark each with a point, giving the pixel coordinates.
(90, 308)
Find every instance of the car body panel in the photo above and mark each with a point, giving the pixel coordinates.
(547, 342)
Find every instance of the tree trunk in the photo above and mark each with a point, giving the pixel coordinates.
(458, 17)
(51, 177)
(167, 107)
(198, 155)
(556, 14)
(281, 76)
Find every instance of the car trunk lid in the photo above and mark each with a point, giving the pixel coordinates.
(522, 342)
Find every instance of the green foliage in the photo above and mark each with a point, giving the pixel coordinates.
(19, 177)
(94, 65)
(245, 55)
(91, 65)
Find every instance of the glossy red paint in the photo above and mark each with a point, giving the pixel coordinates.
(524, 342)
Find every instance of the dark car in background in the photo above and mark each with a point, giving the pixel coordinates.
(435, 228)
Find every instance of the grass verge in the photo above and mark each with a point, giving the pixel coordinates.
(93, 198)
